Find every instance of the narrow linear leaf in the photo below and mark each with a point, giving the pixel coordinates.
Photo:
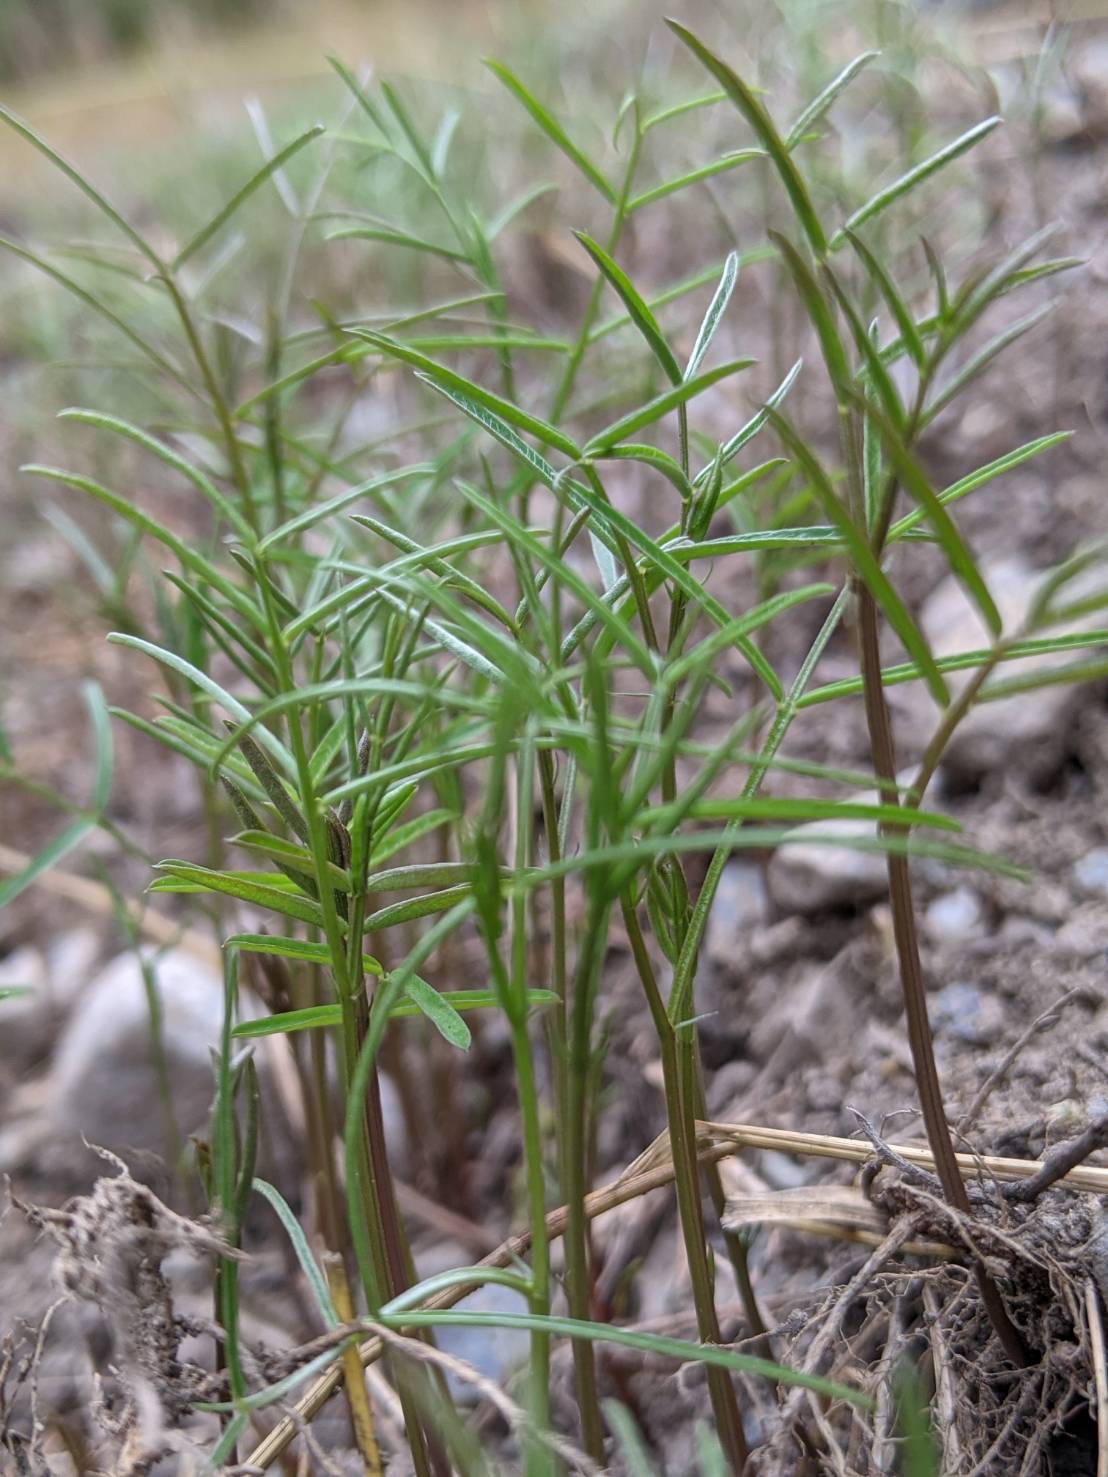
(258, 894)
(438, 1010)
(664, 562)
(567, 577)
(820, 104)
(755, 114)
(820, 314)
(87, 188)
(101, 309)
(449, 379)
(864, 561)
(693, 177)
(515, 208)
(417, 907)
(716, 309)
(804, 811)
(48, 857)
(983, 475)
(552, 128)
(946, 530)
(171, 458)
(652, 456)
(735, 444)
(641, 316)
(909, 330)
(207, 685)
(915, 176)
(958, 662)
(287, 854)
(290, 948)
(318, 1017)
(678, 110)
(390, 237)
(308, 1264)
(661, 405)
(729, 635)
(982, 359)
(133, 515)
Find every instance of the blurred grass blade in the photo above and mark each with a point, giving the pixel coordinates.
(359, 94)
(515, 208)
(221, 217)
(72, 834)
(389, 236)
(755, 114)
(552, 128)
(629, 1439)
(87, 188)
(820, 105)
(915, 176)
(48, 857)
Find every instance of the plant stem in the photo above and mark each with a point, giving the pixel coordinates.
(906, 938)
(578, 1270)
(682, 1095)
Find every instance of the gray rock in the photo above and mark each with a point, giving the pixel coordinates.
(103, 1080)
(806, 876)
(1085, 932)
(740, 906)
(1032, 729)
(961, 1010)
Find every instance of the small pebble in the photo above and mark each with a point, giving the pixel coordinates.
(1091, 872)
(962, 1011)
(953, 916)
